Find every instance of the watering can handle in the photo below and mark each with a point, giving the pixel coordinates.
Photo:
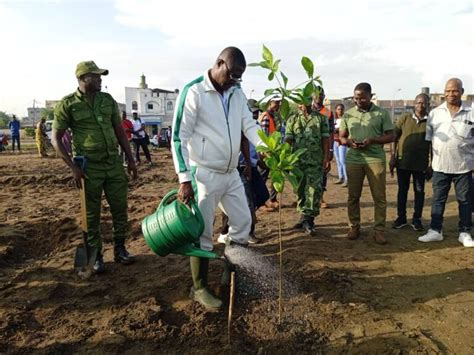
(192, 204)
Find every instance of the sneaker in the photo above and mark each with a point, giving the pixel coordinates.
(466, 239)
(344, 184)
(223, 239)
(340, 181)
(399, 223)
(431, 236)
(417, 225)
(253, 240)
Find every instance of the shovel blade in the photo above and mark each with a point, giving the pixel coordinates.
(84, 260)
(80, 259)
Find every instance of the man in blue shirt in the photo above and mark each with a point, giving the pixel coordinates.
(14, 126)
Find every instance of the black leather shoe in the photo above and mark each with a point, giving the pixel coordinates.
(99, 266)
(122, 256)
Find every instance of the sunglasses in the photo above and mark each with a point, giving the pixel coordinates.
(232, 77)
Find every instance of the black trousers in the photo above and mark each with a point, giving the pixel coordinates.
(403, 177)
(141, 142)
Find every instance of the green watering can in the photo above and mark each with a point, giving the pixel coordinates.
(175, 228)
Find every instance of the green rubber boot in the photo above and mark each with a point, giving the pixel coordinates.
(199, 292)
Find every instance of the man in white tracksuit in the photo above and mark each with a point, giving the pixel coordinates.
(211, 115)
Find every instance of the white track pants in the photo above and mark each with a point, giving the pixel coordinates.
(227, 192)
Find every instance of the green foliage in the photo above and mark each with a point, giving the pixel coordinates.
(280, 160)
(301, 94)
(29, 132)
(47, 113)
(4, 119)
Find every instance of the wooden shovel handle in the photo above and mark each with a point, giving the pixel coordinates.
(82, 191)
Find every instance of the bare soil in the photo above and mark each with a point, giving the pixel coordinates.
(352, 296)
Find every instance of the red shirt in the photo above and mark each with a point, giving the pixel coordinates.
(127, 126)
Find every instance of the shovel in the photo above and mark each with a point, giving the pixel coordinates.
(85, 254)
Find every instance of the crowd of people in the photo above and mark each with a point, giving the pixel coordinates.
(213, 142)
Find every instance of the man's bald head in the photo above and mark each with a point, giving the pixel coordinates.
(453, 91)
(456, 82)
(233, 56)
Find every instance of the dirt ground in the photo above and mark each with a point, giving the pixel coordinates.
(352, 296)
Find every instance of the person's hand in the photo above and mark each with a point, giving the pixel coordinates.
(366, 142)
(248, 172)
(186, 192)
(429, 173)
(352, 143)
(78, 176)
(261, 164)
(132, 169)
(331, 155)
(326, 165)
(392, 164)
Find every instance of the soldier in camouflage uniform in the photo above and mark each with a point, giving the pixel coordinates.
(94, 120)
(309, 130)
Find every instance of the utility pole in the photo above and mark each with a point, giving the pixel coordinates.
(34, 112)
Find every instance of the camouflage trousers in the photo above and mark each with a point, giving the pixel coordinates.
(310, 190)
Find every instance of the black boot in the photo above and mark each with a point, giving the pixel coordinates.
(122, 256)
(99, 265)
(308, 225)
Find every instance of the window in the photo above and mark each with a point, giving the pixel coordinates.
(150, 106)
(134, 105)
(169, 106)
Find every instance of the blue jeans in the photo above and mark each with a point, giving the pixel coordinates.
(403, 177)
(441, 186)
(340, 152)
(17, 140)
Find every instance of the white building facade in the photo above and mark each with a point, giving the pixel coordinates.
(154, 106)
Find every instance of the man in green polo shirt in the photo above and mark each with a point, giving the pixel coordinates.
(410, 155)
(94, 120)
(365, 128)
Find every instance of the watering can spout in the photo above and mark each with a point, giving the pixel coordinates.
(191, 250)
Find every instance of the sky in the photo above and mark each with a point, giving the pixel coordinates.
(398, 46)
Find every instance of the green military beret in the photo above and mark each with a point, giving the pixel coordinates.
(89, 67)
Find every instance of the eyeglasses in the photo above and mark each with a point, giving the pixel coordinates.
(232, 77)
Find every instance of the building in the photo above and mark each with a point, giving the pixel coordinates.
(154, 106)
(50, 104)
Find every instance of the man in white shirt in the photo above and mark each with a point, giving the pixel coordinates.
(211, 114)
(450, 129)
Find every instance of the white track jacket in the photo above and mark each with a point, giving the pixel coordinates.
(203, 134)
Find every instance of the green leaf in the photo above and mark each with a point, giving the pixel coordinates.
(276, 65)
(264, 137)
(268, 92)
(253, 64)
(308, 66)
(271, 76)
(285, 79)
(284, 109)
(271, 162)
(278, 180)
(294, 181)
(308, 89)
(267, 56)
